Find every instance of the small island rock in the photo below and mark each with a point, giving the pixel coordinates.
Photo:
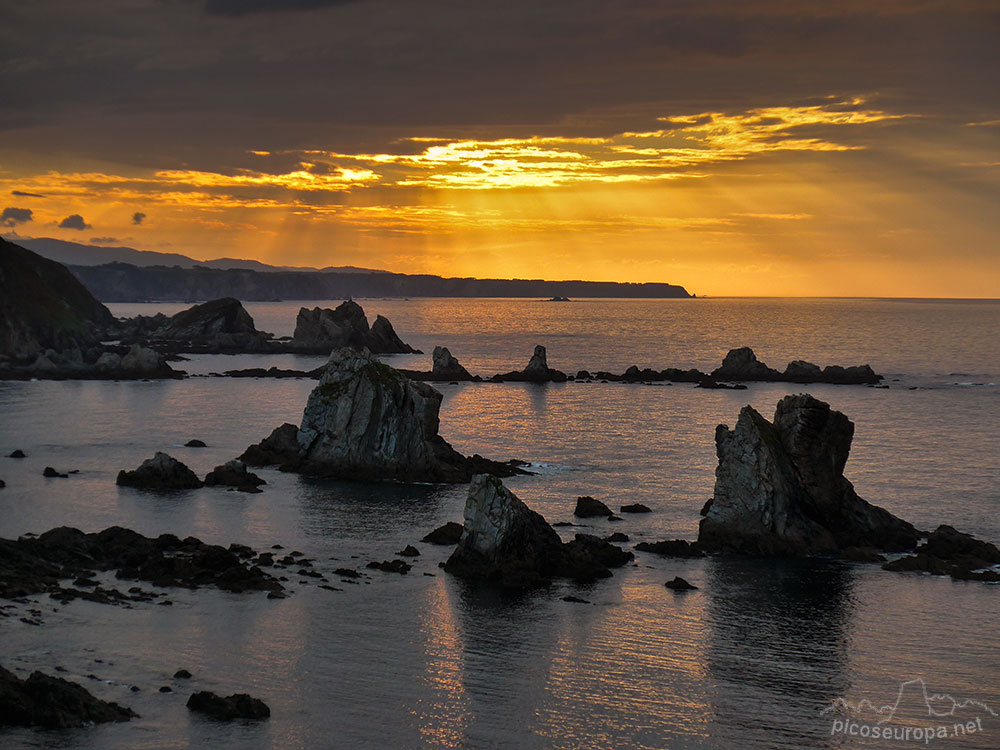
(161, 472)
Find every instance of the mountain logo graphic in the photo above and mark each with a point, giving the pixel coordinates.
(911, 692)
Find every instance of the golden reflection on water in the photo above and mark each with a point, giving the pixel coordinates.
(442, 720)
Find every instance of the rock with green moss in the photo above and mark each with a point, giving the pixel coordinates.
(366, 420)
(780, 487)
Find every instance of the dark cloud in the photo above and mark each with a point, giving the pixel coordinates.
(23, 194)
(137, 217)
(74, 221)
(245, 7)
(11, 217)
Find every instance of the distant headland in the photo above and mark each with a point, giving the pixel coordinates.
(128, 275)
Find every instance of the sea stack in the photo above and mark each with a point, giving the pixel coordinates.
(780, 487)
(366, 420)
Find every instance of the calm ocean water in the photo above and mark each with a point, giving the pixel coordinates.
(747, 661)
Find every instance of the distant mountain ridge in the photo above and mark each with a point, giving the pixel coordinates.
(78, 254)
(124, 274)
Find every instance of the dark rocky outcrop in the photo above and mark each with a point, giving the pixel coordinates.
(160, 473)
(280, 448)
(217, 326)
(390, 566)
(43, 306)
(366, 420)
(195, 443)
(954, 553)
(672, 548)
(273, 372)
(39, 565)
(237, 706)
(742, 364)
(51, 473)
(320, 330)
(588, 507)
(679, 584)
(780, 487)
(234, 474)
(450, 533)
(53, 703)
(537, 371)
(635, 508)
(506, 542)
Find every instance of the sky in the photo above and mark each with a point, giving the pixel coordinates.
(842, 148)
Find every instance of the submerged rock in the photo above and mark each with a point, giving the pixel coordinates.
(234, 474)
(506, 542)
(53, 703)
(537, 371)
(237, 706)
(780, 487)
(366, 420)
(161, 472)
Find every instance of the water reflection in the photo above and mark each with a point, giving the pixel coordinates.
(368, 510)
(780, 632)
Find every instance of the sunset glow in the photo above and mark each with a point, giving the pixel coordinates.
(858, 191)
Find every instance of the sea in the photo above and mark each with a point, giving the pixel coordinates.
(756, 657)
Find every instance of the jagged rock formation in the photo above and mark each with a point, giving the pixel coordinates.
(43, 306)
(506, 542)
(780, 487)
(445, 368)
(366, 420)
(319, 330)
(159, 473)
(742, 364)
(53, 703)
(537, 371)
(382, 339)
